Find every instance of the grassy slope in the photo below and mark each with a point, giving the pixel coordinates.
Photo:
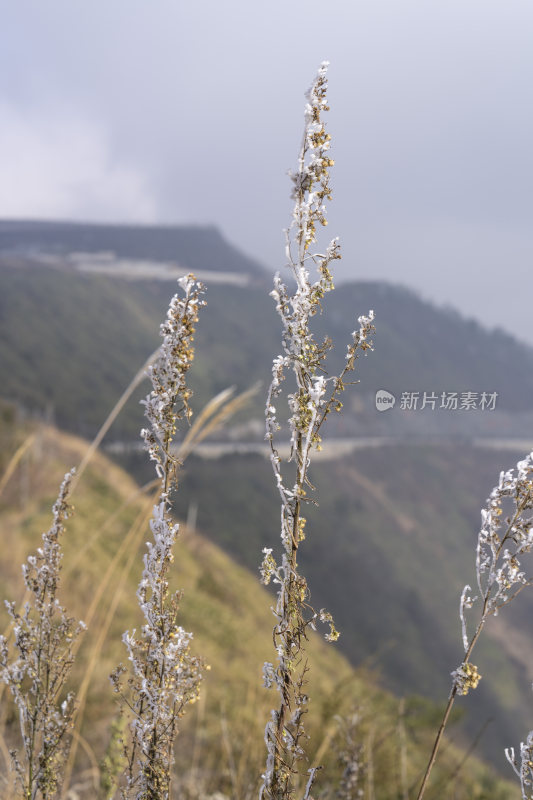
(228, 611)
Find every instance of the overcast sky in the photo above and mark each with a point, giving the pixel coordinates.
(181, 112)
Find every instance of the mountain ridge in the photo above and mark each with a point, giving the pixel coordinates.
(84, 323)
(192, 246)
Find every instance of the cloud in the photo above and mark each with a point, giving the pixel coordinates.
(182, 113)
(55, 165)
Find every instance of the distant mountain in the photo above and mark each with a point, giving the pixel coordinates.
(73, 333)
(191, 247)
(396, 525)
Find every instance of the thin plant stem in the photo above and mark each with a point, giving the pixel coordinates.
(15, 460)
(502, 569)
(309, 404)
(117, 408)
(164, 676)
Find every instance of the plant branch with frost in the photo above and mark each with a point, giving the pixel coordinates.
(44, 639)
(313, 397)
(524, 767)
(350, 758)
(164, 676)
(506, 536)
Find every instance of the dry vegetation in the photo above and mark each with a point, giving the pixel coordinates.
(71, 736)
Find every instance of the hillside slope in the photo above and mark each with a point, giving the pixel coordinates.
(71, 342)
(390, 547)
(220, 745)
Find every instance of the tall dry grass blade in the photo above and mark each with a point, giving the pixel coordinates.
(130, 544)
(128, 541)
(15, 460)
(91, 541)
(97, 649)
(4, 750)
(197, 742)
(324, 745)
(250, 749)
(226, 739)
(207, 411)
(121, 402)
(369, 764)
(89, 752)
(402, 744)
(195, 435)
(225, 410)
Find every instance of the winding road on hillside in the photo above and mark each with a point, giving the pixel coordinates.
(337, 448)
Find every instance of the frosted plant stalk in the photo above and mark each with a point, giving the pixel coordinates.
(44, 639)
(164, 676)
(506, 535)
(313, 397)
(350, 758)
(524, 768)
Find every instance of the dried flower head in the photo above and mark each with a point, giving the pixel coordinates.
(44, 639)
(466, 677)
(506, 536)
(313, 397)
(164, 675)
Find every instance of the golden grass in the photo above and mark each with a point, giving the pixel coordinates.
(15, 460)
(229, 613)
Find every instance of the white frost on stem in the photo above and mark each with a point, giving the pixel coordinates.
(164, 676)
(313, 397)
(44, 639)
(524, 767)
